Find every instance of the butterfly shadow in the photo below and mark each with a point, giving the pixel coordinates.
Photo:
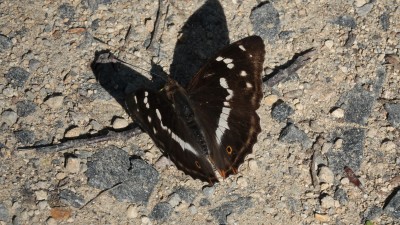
(203, 34)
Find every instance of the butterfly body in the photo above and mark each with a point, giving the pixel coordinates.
(214, 118)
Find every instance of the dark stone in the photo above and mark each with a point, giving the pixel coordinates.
(3, 213)
(187, 195)
(291, 134)
(72, 198)
(139, 183)
(25, 137)
(265, 20)
(5, 43)
(372, 213)
(392, 207)
(227, 208)
(345, 21)
(161, 211)
(66, 11)
(393, 115)
(34, 64)
(108, 167)
(380, 80)
(281, 111)
(17, 76)
(94, 4)
(95, 24)
(351, 154)
(294, 204)
(341, 196)
(204, 202)
(285, 35)
(385, 22)
(358, 105)
(25, 108)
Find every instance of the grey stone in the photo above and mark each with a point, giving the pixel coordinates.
(291, 134)
(3, 213)
(351, 154)
(25, 137)
(238, 206)
(380, 80)
(365, 9)
(345, 21)
(161, 211)
(17, 76)
(265, 20)
(393, 115)
(372, 213)
(294, 204)
(139, 183)
(392, 208)
(208, 191)
(358, 105)
(25, 108)
(187, 195)
(66, 11)
(94, 4)
(9, 117)
(204, 202)
(72, 198)
(385, 21)
(341, 196)
(34, 64)
(5, 43)
(108, 167)
(281, 111)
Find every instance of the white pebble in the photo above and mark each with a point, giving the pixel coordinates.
(327, 202)
(9, 117)
(132, 212)
(326, 175)
(338, 113)
(74, 132)
(41, 195)
(73, 165)
(120, 123)
(55, 102)
(329, 44)
(253, 165)
(174, 199)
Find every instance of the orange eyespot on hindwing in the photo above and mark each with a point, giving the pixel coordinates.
(229, 150)
(197, 164)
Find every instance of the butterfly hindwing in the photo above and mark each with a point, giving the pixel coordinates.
(225, 95)
(156, 115)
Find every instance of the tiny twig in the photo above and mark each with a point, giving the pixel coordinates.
(100, 193)
(298, 61)
(75, 143)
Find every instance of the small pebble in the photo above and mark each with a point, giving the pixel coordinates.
(192, 209)
(253, 165)
(338, 113)
(242, 182)
(60, 176)
(208, 191)
(388, 146)
(270, 100)
(41, 195)
(73, 165)
(132, 212)
(162, 163)
(51, 221)
(326, 175)
(55, 102)
(74, 132)
(145, 220)
(174, 199)
(327, 202)
(329, 44)
(119, 123)
(42, 205)
(359, 3)
(9, 117)
(339, 143)
(344, 181)
(321, 217)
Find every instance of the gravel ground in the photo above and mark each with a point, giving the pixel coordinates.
(342, 109)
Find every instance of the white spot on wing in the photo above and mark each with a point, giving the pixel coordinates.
(158, 114)
(146, 93)
(183, 144)
(242, 48)
(135, 99)
(248, 85)
(226, 104)
(228, 60)
(222, 123)
(230, 65)
(230, 94)
(223, 82)
(219, 58)
(149, 119)
(145, 100)
(154, 130)
(243, 73)
(147, 105)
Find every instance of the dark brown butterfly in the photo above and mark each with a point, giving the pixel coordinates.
(213, 121)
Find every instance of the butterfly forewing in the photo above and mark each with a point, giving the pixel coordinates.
(156, 115)
(225, 95)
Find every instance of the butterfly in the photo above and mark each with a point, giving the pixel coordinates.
(212, 123)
